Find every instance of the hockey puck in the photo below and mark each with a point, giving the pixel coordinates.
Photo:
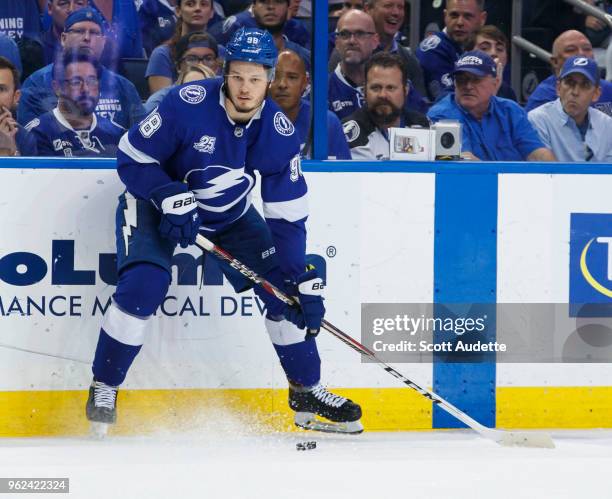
(306, 445)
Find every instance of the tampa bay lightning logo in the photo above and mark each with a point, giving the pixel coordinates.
(351, 130)
(193, 94)
(218, 188)
(431, 42)
(447, 80)
(283, 124)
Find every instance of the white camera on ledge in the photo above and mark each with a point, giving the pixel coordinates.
(441, 142)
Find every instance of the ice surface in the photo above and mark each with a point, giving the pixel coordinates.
(227, 461)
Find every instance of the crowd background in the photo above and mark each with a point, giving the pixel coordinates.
(76, 74)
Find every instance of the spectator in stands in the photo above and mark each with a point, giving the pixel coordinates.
(72, 128)
(20, 20)
(493, 129)
(568, 44)
(388, 16)
(569, 125)
(8, 49)
(195, 48)
(366, 130)
(16, 141)
(490, 40)
(439, 52)
(290, 82)
(271, 15)
(193, 15)
(356, 40)
(58, 10)
(119, 101)
(122, 30)
(157, 20)
(123, 38)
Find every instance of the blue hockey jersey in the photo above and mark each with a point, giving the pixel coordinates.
(157, 22)
(56, 137)
(119, 99)
(437, 55)
(20, 18)
(190, 138)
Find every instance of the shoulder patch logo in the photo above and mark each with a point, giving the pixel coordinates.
(351, 130)
(283, 124)
(430, 43)
(193, 94)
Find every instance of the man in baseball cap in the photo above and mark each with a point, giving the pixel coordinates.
(493, 128)
(573, 129)
(84, 32)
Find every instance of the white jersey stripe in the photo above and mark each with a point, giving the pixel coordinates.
(292, 211)
(127, 148)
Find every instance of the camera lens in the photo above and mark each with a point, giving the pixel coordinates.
(447, 140)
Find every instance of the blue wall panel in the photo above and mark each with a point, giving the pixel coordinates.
(465, 262)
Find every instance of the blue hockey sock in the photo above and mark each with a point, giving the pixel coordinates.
(300, 362)
(112, 359)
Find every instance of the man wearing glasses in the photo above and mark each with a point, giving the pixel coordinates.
(58, 10)
(493, 129)
(356, 40)
(72, 128)
(573, 129)
(119, 101)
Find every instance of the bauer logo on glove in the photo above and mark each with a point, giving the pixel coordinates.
(310, 311)
(180, 221)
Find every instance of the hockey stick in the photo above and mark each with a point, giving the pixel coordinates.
(502, 437)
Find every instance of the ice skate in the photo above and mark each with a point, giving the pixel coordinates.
(101, 408)
(342, 415)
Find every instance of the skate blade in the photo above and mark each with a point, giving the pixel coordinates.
(98, 431)
(308, 421)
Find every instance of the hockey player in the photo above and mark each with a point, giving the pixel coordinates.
(72, 128)
(273, 16)
(189, 167)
